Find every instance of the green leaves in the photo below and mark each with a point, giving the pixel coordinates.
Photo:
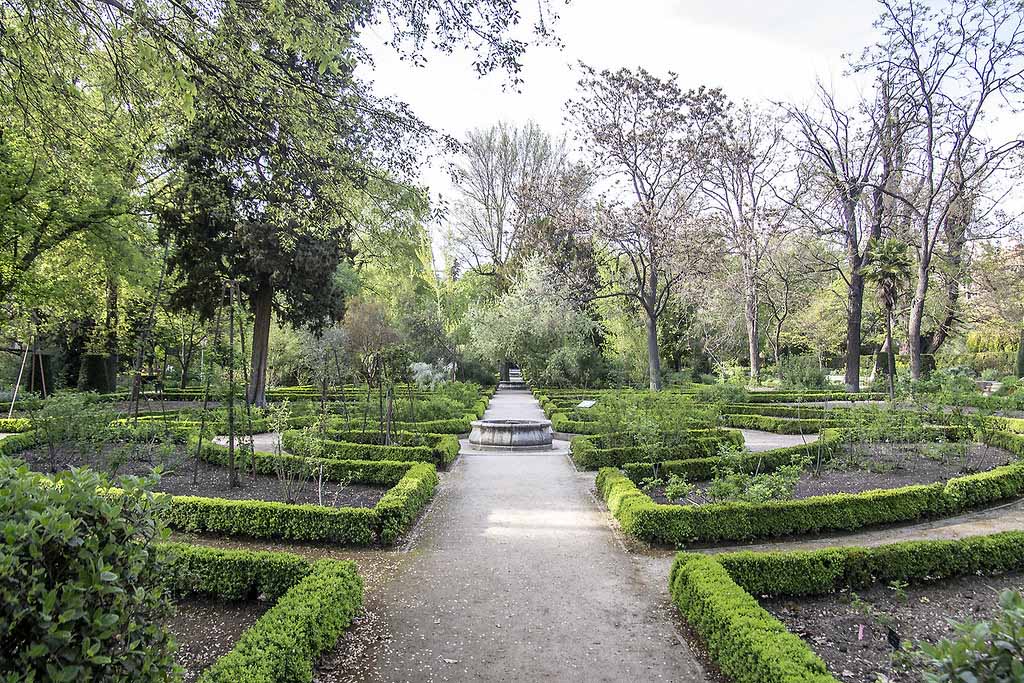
(81, 594)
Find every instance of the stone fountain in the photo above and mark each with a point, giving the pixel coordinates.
(512, 434)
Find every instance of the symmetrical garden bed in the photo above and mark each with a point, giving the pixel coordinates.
(300, 610)
(718, 595)
(642, 517)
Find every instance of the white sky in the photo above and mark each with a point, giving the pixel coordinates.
(757, 49)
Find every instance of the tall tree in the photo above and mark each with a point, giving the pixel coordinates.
(852, 157)
(649, 133)
(954, 67)
(506, 171)
(889, 270)
(270, 203)
(746, 185)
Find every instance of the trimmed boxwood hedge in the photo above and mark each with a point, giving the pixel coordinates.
(716, 594)
(703, 468)
(443, 453)
(315, 603)
(14, 425)
(232, 574)
(678, 524)
(748, 644)
(816, 572)
(383, 523)
(589, 452)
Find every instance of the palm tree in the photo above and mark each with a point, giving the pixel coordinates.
(889, 268)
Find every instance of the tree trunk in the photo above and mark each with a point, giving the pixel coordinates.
(753, 336)
(854, 318)
(916, 319)
(1019, 369)
(262, 305)
(891, 355)
(111, 323)
(653, 354)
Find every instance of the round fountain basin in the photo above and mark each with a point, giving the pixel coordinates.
(512, 434)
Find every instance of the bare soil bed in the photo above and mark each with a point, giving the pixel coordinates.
(855, 633)
(207, 629)
(212, 480)
(881, 466)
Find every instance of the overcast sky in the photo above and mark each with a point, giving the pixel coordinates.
(757, 49)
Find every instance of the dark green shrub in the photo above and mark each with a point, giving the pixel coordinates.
(81, 595)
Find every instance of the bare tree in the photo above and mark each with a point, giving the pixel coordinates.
(745, 185)
(849, 158)
(647, 132)
(952, 68)
(507, 172)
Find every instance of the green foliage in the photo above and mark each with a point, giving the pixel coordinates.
(440, 449)
(747, 643)
(983, 651)
(284, 644)
(727, 392)
(677, 488)
(533, 325)
(678, 524)
(802, 373)
(232, 574)
(732, 484)
(81, 595)
(818, 572)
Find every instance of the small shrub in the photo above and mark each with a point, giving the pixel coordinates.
(677, 488)
(983, 651)
(81, 590)
(802, 373)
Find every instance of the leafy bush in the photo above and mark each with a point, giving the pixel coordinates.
(81, 595)
(983, 651)
(728, 392)
(801, 373)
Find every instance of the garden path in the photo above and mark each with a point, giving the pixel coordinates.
(515, 575)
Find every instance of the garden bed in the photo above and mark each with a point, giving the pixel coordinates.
(855, 631)
(207, 629)
(866, 467)
(211, 480)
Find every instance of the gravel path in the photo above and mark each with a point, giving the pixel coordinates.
(765, 441)
(516, 575)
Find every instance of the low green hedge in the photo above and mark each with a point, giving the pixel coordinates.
(412, 486)
(589, 452)
(232, 574)
(14, 425)
(375, 472)
(716, 594)
(777, 425)
(703, 468)
(263, 519)
(285, 643)
(678, 524)
(442, 454)
(748, 644)
(403, 502)
(817, 572)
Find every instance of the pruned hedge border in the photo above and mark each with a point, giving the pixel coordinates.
(716, 594)
(703, 468)
(442, 453)
(588, 452)
(646, 520)
(315, 603)
(412, 486)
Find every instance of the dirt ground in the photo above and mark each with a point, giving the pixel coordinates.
(855, 633)
(207, 629)
(179, 470)
(881, 466)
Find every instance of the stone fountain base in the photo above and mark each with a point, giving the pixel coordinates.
(512, 434)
